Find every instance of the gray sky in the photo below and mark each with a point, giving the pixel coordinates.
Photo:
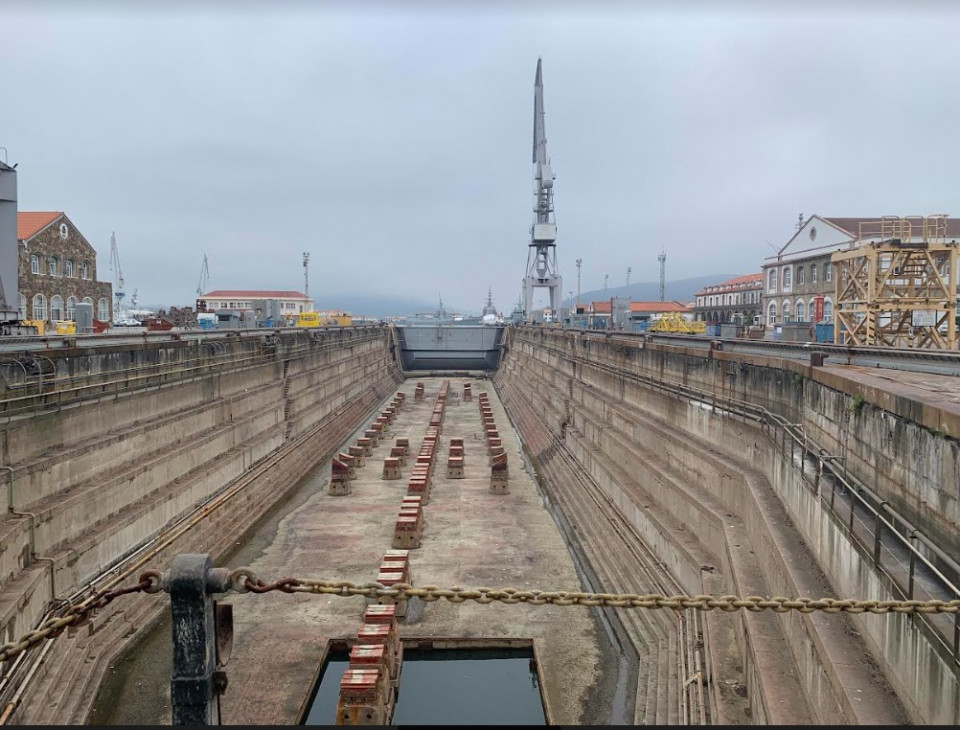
(393, 142)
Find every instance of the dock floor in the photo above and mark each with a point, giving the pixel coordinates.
(471, 538)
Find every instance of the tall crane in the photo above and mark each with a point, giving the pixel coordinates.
(542, 269)
(118, 275)
(204, 277)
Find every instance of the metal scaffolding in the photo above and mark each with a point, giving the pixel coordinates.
(898, 286)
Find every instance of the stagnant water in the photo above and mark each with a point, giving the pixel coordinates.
(448, 687)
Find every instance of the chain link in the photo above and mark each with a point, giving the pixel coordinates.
(76, 615)
(245, 580)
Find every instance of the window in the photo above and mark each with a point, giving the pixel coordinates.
(34, 264)
(103, 309)
(812, 309)
(828, 271)
(813, 273)
(23, 305)
(801, 312)
(787, 311)
(772, 281)
(787, 279)
(68, 268)
(56, 307)
(40, 307)
(772, 313)
(801, 275)
(85, 271)
(71, 307)
(54, 265)
(828, 309)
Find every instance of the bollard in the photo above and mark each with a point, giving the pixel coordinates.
(202, 637)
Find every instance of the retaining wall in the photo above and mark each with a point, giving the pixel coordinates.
(122, 455)
(746, 491)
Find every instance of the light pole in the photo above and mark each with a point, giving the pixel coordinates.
(628, 276)
(605, 277)
(579, 263)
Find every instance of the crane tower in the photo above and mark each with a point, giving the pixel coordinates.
(115, 267)
(204, 276)
(542, 269)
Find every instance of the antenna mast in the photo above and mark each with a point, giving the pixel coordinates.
(662, 258)
(306, 280)
(541, 253)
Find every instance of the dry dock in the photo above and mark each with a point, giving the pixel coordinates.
(470, 538)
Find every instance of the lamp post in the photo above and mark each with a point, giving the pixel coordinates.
(605, 277)
(579, 263)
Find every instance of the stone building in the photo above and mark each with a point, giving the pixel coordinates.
(798, 283)
(57, 269)
(735, 301)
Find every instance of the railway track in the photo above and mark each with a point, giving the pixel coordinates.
(935, 362)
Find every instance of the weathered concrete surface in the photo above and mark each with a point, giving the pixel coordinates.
(704, 487)
(471, 538)
(175, 438)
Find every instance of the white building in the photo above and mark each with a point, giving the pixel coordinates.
(290, 303)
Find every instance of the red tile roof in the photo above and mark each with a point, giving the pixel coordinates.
(600, 307)
(656, 307)
(30, 224)
(253, 294)
(737, 282)
(745, 279)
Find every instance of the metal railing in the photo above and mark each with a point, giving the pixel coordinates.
(51, 394)
(883, 534)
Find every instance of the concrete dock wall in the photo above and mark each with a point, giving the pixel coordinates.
(101, 473)
(699, 485)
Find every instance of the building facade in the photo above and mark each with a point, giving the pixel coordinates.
(735, 301)
(273, 304)
(799, 286)
(599, 315)
(57, 269)
(642, 314)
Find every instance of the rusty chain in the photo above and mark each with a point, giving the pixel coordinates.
(244, 580)
(77, 614)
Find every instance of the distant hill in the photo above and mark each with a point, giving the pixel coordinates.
(376, 306)
(681, 290)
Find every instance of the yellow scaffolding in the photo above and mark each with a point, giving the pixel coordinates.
(898, 286)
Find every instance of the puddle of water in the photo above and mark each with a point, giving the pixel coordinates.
(448, 687)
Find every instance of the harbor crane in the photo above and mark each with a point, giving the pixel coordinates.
(118, 275)
(204, 277)
(541, 254)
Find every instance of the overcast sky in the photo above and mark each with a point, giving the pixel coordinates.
(393, 142)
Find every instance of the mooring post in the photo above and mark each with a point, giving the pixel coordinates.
(197, 681)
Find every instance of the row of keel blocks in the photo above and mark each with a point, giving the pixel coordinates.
(368, 689)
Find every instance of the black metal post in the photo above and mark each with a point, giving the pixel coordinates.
(196, 681)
